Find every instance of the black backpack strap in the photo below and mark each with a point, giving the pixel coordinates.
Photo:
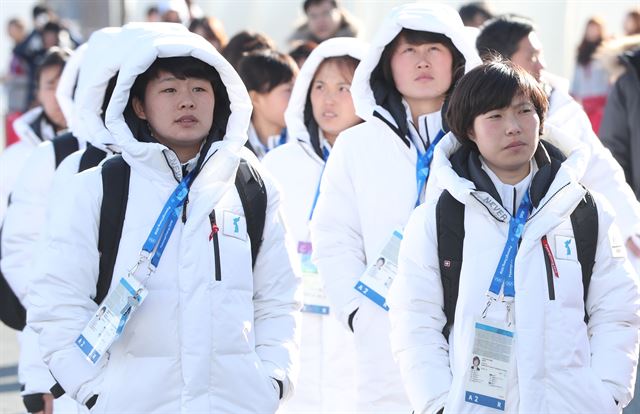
(450, 233)
(584, 221)
(91, 157)
(12, 313)
(63, 146)
(115, 194)
(253, 196)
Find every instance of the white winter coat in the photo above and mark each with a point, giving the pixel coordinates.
(196, 344)
(368, 190)
(23, 223)
(327, 368)
(13, 158)
(603, 173)
(561, 364)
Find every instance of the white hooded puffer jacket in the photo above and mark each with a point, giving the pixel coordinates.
(21, 229)
(196, 344)
(13, 158)
(327, 368)
(368, 190)
(563, 365)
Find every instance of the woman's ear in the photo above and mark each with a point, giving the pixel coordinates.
(255, 97)
(471, 135)
(138, 108)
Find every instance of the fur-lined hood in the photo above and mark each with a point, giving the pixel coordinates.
(609, 53)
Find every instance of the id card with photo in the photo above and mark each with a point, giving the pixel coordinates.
(315, 300)
(109, 321)
(377, 279)
(488, 371)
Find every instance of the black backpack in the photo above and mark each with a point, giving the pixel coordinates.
(450, 234)
(115, 189)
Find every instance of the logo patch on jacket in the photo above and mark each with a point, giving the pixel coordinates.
(234, 226)
(566, 248)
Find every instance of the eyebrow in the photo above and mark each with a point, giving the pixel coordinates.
(168, 78)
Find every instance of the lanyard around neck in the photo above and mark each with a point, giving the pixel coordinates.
(166, 221)
(503, 279)
(423, 164)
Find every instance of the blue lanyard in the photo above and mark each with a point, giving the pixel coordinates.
(423, 164)
(504, 274)
(167, 220)
(325, 156)
(281, 140)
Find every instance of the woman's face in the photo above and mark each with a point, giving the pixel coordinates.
(421, 72)
(47, 85)
(270, 106)
(179, 111)
(593, 32)
(507, 137)
(331, 100)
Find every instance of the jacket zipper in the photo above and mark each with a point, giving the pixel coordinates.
(547, 263)
(216, 244)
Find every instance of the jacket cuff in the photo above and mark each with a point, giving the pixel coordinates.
(33, 402)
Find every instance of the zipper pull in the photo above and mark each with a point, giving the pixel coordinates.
(214, 227)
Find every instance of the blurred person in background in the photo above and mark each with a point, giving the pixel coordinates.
(324, 19)
(301, 51)
(475, 13)
(153, 14)
(16, 81)
(211, 29)
(37, 125)
(590, 83)
(269, 77)
(632, 22)
(245, 42)
(47, 31)
(620, 128)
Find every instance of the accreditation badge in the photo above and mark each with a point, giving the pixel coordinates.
(315, 300)
(489, 364)
(377, 279)
(108, 323)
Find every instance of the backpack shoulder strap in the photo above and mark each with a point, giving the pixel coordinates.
(450, 234)
(91, 157)
(115, 195)
(63, 146)
(584, 221)
(253, 196)
(12, 313)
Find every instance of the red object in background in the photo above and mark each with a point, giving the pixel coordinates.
(11, 135)
(594, 107)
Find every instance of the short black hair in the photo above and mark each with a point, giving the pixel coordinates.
(309, 3)
(490, 86)
(39, 9)
(470, 10)
(183, 67)
(418, 37)
(55, 56)
(53, 27)
(263, 70)
(301, 51)
(245, 42)
(502, 35)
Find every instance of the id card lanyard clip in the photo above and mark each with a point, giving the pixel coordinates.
(502, 285)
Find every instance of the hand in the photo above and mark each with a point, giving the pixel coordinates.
(633, 246)
(48, 404)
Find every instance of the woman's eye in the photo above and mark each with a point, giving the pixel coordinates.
(408, 49)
